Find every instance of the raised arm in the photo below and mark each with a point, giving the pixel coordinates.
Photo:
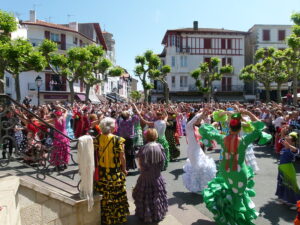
(140, 116)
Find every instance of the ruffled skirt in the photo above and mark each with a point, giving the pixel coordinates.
(227, 207)
(250, 158)
(150, 199)
(163, 141)
(114, 204)
(196, 177)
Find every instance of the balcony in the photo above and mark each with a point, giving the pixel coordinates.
(48, 87)
(229, 88)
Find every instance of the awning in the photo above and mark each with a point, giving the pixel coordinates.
(81, 97)
(94, 99)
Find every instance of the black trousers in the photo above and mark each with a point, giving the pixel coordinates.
(130, 154)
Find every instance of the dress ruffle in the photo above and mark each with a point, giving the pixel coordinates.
(250, 158)
(227, 207)
(163, 141)
(196, 177)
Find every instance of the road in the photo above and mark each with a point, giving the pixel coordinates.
(271, 211)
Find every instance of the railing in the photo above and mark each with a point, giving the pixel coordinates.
(54, 87)
(229, 88)
(44, 149)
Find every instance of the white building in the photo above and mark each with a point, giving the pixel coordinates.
(55, 87)
(265, 36)
(185, 49)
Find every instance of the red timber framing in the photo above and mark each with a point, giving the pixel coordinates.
(205, 45)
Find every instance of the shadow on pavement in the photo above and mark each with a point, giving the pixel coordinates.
(265, 152)
(203, 222)
(132, 219)
(273, 211)
(187, 198)
(177, 173)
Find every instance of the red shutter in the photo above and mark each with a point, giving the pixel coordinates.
(223, 83)
(229, 43)
(229, 61)
(207, 43)
(229, 83)
(223, 61)
(48, 79)
(223, 43)
(64, 83)
(266, 35)
(47, 34)
(281, 35)
(63, 41)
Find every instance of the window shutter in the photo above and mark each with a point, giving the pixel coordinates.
(229, 61)
(223, 61)
(48, 79)
(207, 43)
(266, 35)
(47, 34)
(223, 43)
(229, 41)
(63, 41)
(281, 35)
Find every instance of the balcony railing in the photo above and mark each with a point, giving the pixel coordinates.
(54, 87)
(229, 88)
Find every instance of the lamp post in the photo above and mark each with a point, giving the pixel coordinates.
(38, 82)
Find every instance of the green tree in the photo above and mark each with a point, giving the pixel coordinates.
(8, 24)
(136, 95)
(20, 56)
(146, 63)
(209, 72)
(294, 54)
(161, 75)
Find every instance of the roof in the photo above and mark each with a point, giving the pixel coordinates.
(270, 25)
(203, 31)
(100, 35)
(54, 26)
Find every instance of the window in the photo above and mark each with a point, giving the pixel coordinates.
(7, 81)
(54, 37)
(229, 43)
(223, 61)
(226, 61)
(183, 61)
(229, 61)
(266, 35)
(223, 43)
(173, 40)
(281, 35)
(207, 43)
(183, 81)
(173, 81)
(75, 40)
(173, 61)
(207, 60)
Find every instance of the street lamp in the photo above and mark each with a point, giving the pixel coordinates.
(38, 82)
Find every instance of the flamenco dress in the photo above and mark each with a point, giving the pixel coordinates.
(149, 194)
(69, 128)
(160, 126)
(170, 136)
(287, 186)
(112, 181)
(228, 196)
(199, 169)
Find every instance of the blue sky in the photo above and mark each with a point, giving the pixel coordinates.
(139, 25)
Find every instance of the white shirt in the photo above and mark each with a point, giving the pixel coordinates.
(278, 121)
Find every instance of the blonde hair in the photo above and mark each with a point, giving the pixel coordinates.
(151, 135)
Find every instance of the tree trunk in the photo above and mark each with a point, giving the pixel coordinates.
(267, 94)
(87, 92)
(279, 92)
(2, 82)
(295, 87)
(166, 90)
(71, 83)
(145, 95)
(17, 86)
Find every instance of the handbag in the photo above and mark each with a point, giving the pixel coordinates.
(97, 160)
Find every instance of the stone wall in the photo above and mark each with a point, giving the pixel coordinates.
(45, 207)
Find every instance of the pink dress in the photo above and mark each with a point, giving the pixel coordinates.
(61, 145)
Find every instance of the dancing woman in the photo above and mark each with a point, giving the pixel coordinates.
(228, 196)
(160, 125)
(199, 169)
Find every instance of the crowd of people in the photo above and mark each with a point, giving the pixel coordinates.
(146, 136)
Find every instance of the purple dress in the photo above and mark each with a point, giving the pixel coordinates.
(149, 194)
(61, 145)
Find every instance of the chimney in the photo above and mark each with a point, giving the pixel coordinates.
(195, 25)
(32, 16)
(73, 26)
